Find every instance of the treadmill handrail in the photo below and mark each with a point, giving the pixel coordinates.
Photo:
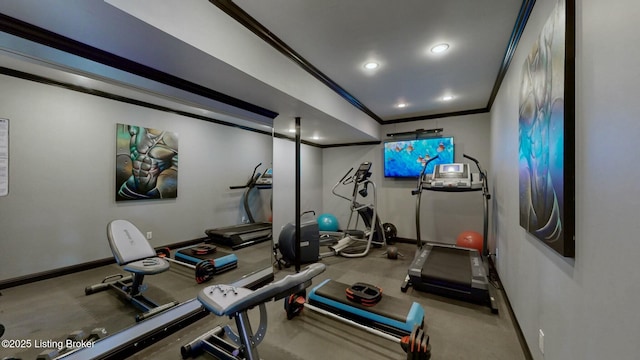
(418, 192)
(487, 196)
(418, 189)
(251, 182)
(483, 176)
(421, 176)
(474, 160)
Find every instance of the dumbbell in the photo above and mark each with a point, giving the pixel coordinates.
(417, 345)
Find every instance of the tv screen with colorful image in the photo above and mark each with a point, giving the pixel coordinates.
(406, 158)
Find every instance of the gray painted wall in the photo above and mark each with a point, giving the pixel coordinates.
(587, 307)
(62, 171)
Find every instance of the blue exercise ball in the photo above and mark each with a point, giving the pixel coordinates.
(327, 222)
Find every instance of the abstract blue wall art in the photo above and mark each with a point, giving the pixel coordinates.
(546, 131)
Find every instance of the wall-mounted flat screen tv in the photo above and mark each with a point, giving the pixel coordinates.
(406, 158)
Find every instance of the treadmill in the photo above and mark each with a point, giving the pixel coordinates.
(243, 235)
(449, 270)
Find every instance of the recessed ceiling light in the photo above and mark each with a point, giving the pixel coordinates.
(401, 105)
(315, 137)
(439, 48)
(371, 65)
(447, 98)
(292, 130)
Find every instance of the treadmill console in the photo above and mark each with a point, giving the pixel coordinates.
(266, 179)
(456, 176)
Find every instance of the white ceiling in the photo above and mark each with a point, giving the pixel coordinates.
(334, 36)
(339, 36)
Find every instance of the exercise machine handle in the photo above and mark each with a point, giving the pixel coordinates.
(418, 189)
(483, 176)
(470, 158)
(424, 168)
(345, 175)
(254, 169)
(475, 161)
(251, 180)
(308, 212)
(344, 182)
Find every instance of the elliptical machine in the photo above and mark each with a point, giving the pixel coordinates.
(350, 242)
(373, 233)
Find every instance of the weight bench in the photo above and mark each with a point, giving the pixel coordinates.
(227, 300)
(132, 251)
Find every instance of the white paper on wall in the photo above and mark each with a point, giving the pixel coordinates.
(4, 157)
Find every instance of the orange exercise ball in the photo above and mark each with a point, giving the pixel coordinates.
(470, 239)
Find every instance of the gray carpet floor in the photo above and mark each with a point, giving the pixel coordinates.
(50, 309)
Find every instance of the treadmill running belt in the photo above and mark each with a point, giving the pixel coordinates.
(228, 231)
(449, 265)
